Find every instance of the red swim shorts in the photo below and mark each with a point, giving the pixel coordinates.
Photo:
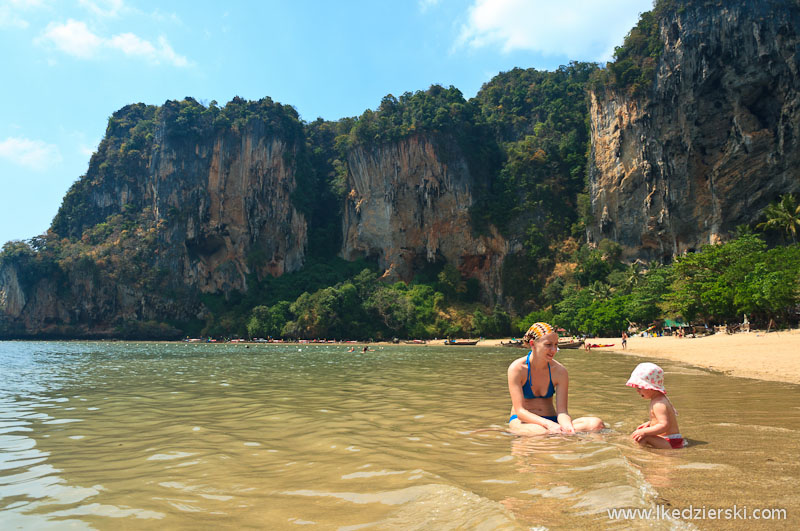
(675, 440)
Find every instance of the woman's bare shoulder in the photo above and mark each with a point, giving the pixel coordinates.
(557, 368)
(517, 364)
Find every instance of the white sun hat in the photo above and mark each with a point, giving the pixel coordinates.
(647, 376)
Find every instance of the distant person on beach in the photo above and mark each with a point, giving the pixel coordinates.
(661, 431)
(624, 340)
(534, 380)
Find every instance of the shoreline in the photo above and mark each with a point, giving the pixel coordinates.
(773, 356)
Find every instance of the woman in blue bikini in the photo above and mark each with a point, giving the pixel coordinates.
(533, 380)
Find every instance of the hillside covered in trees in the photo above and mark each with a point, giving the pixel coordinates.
(233, 221)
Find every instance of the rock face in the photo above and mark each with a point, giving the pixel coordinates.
(204, 213)
(12, 296)
(185, 200)
(233, 202)
(409, 205)
(714, 140)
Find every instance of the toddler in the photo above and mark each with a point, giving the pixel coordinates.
(661, 431)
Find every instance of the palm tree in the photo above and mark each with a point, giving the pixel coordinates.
(782, 215)
(600, 290)
(633, 274)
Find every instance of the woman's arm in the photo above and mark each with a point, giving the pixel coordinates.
(561, 384)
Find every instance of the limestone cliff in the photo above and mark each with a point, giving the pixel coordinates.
(163, 216)
(409, 205)
(231, 200)
(712, 141)
(185, 201)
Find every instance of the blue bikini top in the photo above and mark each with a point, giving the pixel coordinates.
(527, 391)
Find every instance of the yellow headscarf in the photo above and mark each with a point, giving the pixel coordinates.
(537, 331)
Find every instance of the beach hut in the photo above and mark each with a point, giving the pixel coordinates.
(672, 326)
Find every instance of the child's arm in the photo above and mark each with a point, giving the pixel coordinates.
(659, 410)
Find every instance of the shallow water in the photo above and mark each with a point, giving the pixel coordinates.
(187, 436)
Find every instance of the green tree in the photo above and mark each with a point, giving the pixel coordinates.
(600, 291)
(644, 305)
(593, 266)
(607, 317)
(331, 312)
(771, 290)
(704, 283)
(392, 306)
(571, 311)
(784, 216)
(450, 282)
(258, 324)
(268, 321)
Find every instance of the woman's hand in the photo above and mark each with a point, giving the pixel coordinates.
(555, 428)
(565, 421)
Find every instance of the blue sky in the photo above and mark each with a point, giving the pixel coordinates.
(67, 65)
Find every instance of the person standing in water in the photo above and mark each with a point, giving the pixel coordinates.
(534, 380)
(661, 431)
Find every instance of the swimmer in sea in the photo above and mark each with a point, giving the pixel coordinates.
(534, 381)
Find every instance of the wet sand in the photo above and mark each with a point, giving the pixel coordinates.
(771, 356)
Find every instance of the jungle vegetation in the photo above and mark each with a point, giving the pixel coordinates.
(525, 137)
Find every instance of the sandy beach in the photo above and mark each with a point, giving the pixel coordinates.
(767, 356)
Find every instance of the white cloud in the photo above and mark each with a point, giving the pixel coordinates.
(580, 29)
(10, 12)
(9, 19)
(169, 54)
(74, 38)
(33, 154)
(104, 8)
(131, 45)
(160, 16)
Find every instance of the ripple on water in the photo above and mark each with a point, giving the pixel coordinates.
(756, 427)
(112, 511)
(169, 456)
(705, 466)
(374, 473)
(431, 506)
(558, 492)
(610, 496)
